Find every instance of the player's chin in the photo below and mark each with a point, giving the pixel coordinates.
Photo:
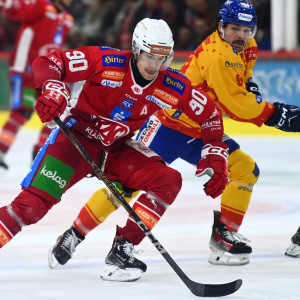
(238, 47)
(149, 75)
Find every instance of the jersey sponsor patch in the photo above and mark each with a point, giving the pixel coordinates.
(174, 84)
(147, 134)
(5, 235)
(69, 20)
(58, 38)
(127, 104)
(137, 89)
(177, 114)
(114, 60)
(17, 84)
(166, 96)
(53, 176)
(258, 99)
(119, 114)
(111, 83)
(51, 12)
(113, 75)
(107, 130)
(71, 122)
(29, 98)
(251, 53)
(56, 60)
(159, 102)
(146, 217)
(234, 65)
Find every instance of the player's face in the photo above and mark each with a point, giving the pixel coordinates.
(149, 64)
(237, 35)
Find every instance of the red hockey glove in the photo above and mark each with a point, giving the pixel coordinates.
(53, 101)
(213, 162)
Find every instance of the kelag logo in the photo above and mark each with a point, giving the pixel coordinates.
(114, 60)
(174, 84)
(53, 176)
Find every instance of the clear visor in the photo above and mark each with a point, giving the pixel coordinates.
(167, 58)
(242, 31)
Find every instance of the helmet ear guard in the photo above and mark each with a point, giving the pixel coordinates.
(154, 37)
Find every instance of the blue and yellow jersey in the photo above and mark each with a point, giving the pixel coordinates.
(220, 71)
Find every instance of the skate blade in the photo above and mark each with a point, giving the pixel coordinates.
(227, 259)
(52, 261)
(114, 273)
(293, 250)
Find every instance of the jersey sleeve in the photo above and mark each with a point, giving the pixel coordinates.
(234, 99)
(26, 11)
(250, 56)
(68, 66)
(200, 108)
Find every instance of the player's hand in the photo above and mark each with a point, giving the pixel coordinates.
(286, 117)
(53, 100)
(253, 88)
(214, 163)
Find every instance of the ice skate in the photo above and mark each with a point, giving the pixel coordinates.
(294, 249)
(64, 248)
(227, 247)
(121, 265)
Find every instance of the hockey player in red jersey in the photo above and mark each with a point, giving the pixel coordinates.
(44, 27)
(122, 89)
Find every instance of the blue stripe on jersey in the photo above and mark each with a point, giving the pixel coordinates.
(17, 84)
(50, 141)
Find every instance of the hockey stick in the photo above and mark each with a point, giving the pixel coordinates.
(198, 289)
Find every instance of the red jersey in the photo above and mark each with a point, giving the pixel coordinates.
(111, 105)
(43, 30)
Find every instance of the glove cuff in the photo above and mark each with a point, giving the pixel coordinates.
(219, 150)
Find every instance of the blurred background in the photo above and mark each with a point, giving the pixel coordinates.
(111, 23)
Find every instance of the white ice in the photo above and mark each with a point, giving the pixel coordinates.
(184, 231)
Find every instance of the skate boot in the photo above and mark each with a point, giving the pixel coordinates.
(294, 249)
(64, 248)
(121, 265)
(3, 165)
(227, 247)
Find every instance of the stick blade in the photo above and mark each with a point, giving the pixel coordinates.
(215, 290)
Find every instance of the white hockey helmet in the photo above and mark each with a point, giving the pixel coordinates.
(155, 37)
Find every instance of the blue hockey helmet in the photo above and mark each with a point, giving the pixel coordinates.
(240, 12)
